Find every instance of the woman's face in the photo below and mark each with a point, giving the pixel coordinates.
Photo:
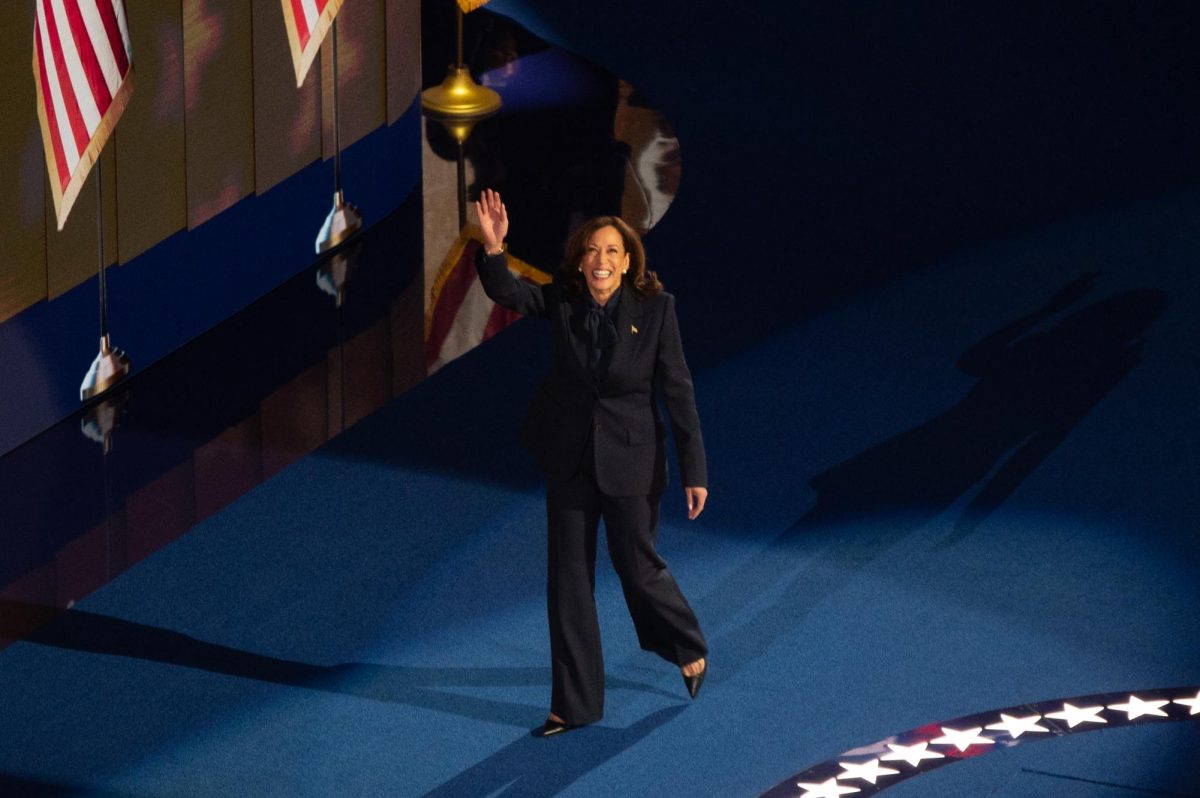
(604, 261)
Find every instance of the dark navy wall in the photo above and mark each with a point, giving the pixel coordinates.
(852, 141)
(194, 279)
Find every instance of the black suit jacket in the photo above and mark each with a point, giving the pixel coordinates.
(620, 411)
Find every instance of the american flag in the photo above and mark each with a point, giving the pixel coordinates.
(83, 66)
(460, 316)
(307, 22)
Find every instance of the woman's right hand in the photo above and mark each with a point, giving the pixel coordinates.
(493, 219)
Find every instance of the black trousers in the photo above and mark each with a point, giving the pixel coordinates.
(664, 622)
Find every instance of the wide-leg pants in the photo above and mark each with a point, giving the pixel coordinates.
(664, 622)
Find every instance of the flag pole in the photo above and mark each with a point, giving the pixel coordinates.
(337, 128)
(343, 219)
(111, 364)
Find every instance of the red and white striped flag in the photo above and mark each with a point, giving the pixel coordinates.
(460, 316)
(83, 68)
(307, 21)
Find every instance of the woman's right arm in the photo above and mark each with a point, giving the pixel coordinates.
(501, 285)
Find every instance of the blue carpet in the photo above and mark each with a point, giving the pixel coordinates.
(370, 621)
(949, 391)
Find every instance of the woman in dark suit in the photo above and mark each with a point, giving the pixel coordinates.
(595, 431)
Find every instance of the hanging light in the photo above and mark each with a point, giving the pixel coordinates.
(459, 97)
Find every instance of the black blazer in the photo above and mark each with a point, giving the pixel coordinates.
(620, 411)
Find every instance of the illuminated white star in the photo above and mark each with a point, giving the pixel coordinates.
(1194, 703)
(912, 754)
(826, 789)
(867, 771)
(962, 739)
(1136, 707)
(1018, 726)
(1074, 715)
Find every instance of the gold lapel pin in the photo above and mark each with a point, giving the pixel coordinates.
(633, 329)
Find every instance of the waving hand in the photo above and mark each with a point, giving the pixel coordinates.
(493, 219)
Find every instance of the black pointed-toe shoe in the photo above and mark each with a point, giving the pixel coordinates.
(552, 727)
(693, 682)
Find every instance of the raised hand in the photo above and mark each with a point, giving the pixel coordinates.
(493, 219)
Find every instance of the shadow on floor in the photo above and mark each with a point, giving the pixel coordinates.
(78, 630)
(535, 768)
(1037, 379)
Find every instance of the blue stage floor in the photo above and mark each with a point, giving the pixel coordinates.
(943, 315)
(370, 620)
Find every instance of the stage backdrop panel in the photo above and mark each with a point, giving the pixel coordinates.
(403, 55)
(22, 170)
(287, 120)
(218, 105)
(72, 254)
(362, 75)
(151, 176)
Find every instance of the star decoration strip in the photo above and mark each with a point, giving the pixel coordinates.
(1074, 715)
(912, 754)
(826, 789)
(1016, 724)
(962, 739)
(1136, 707)
(867, 771)
(1194, 703)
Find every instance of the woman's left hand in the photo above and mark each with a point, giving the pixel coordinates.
(696, 497)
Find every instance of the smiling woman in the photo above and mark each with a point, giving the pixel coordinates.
(601, 255)
(595, 431)
(605, 262)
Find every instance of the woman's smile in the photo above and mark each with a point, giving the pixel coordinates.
(604, 261)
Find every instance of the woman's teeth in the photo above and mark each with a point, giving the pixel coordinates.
(601, 274)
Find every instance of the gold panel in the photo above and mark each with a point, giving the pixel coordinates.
(403, 56)
(287, 120)
(149, 139)
(362, 78)
(71, 255)
(218, 105)
(22, 172)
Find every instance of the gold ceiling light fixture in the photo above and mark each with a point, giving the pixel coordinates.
(459, 98)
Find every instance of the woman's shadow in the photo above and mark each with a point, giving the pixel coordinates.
(1034, 386)
(1037, 378)
(528, 766)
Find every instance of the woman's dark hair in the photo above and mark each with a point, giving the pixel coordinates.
(644, 282)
